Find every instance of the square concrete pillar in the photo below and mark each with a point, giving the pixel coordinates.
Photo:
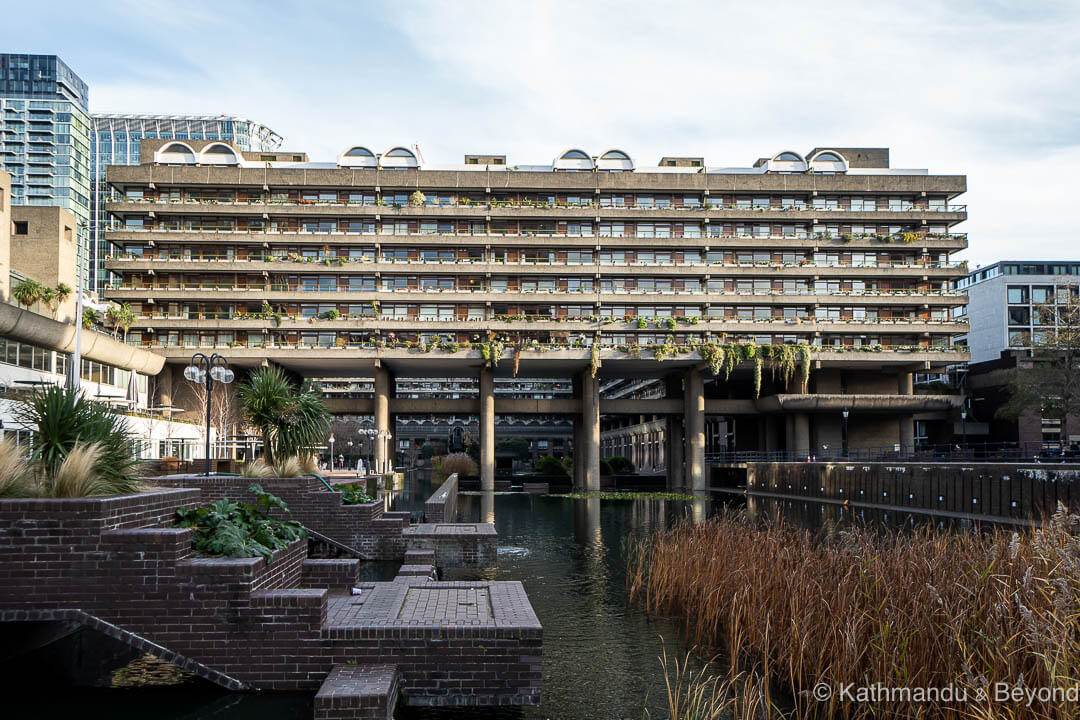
(802, 433)
(673, 441)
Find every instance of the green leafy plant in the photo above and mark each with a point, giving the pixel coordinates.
(355, 494)
(121, 318)
(27, 292)
(290, 419)
(667, 350)
(549, 465)
(237, 529)
(642, 323)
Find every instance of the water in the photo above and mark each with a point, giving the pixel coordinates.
(600, 655)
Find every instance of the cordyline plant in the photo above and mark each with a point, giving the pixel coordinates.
(291, 420)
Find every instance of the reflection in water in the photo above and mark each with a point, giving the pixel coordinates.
(587, 521)
(487, 507)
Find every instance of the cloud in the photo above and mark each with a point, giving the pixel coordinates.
(977, 88)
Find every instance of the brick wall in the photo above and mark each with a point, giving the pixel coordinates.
(118, 565)
(442, 505)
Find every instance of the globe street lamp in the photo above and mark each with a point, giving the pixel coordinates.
(331, 452)
(206, 370)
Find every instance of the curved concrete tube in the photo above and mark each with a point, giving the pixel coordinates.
(30, 327)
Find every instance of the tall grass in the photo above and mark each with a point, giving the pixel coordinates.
(705, 695)
(77, 475)
(15, 477)
(292, 466)
(923, 609)
(459, 463)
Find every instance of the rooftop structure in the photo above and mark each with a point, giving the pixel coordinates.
(593, 267)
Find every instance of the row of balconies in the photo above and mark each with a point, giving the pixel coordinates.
(734, 325)
(949, 241)
(394, 265)
(704, 213)
(162, 293)
(804, 270)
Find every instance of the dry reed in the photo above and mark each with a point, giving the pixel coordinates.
(15, 477)
(926, 609)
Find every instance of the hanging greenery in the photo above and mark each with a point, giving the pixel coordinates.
(634, 350)
(497, 348)
(668, 349)
(517, 356)
(594, 360)
(757, 376)
(804, 366)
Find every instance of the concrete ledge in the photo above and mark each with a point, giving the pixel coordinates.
(455, 544)
(442, 505)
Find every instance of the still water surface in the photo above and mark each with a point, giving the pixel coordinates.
(600, 656)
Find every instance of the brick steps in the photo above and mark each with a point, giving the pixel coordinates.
(418, 571)
(358, 692)
(419, 557)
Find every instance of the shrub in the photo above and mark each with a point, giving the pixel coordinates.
(236, 529)
(549, 465)
(459, 463)
(621, 465)
(605, 467)
(355, 494)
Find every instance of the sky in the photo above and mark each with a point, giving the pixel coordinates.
(987, 89)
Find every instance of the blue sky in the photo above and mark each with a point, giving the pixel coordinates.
(987, 89)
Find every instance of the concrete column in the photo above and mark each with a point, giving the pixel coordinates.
(694, 410)
(382, 416)
(772, 442)
(590, 415)
(789, 433)
(163, 387)
(487, 429)
(674, 437)
(907, 433)
(578, 474)
(802, 433)
(905, 384)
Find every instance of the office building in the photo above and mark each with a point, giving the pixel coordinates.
(591, 268)
(45, 138)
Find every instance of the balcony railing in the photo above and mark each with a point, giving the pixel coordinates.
(381, 205)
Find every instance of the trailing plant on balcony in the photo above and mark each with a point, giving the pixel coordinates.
(909, 237)
(236, 529)
(417, 198)
(669, 323)
(642, 323)
(331, 314)
(634, 350)
(594, 357)
(666, 350)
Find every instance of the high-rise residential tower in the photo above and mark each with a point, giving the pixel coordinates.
(115, 139)
(45, 137)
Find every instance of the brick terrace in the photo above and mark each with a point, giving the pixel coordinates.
(245, 624)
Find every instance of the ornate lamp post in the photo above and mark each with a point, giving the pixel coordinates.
(331, 441)
(844, 413)
(206, 370)
(963, 428)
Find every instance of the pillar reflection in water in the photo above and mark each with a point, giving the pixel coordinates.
(487, 507)
(699, 509)
(587, 522)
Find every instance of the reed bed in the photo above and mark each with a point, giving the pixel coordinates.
(967, 614)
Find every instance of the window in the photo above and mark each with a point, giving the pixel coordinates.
(21, 227)
(1018, 294)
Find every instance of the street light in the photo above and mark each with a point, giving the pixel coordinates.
(963, 428)
(206, 370)
(844, 437)
(331, 452)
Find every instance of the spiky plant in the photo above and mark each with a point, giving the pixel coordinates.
(61, 417)
(288, 418)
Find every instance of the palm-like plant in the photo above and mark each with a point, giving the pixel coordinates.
(90, 318)
(122, 318)
(62, 418)
(27, 292)
(61, 293)
(289, 419)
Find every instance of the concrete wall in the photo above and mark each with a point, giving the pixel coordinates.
(47, 253)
